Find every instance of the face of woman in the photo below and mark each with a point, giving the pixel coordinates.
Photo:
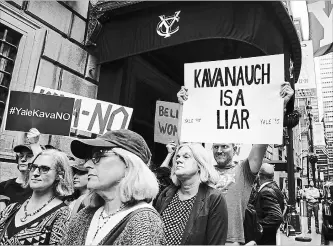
(105, 170)
(80, 179)
(186, 166)
(42, 173)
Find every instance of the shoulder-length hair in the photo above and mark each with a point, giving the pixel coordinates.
(63, 185)
(139, 183)
(207, 172)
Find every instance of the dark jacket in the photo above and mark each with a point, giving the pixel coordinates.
(269, 206)
(208, 221)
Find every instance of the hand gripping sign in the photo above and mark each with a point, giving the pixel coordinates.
(234, 101)
(49, 114)
(92, 115)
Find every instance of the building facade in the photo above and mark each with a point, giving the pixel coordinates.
(42, 43)
(326, 84)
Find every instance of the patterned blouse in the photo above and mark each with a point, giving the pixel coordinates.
(47, 229)
(175, 218)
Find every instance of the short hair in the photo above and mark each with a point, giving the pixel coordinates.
(208, 174)
(63, 185)
(267, 171)
(139, 183)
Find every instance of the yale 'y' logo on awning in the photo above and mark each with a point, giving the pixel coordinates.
(164, 27)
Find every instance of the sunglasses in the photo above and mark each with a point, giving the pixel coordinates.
(41, 169)
(98, 154)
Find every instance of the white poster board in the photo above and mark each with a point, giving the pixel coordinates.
(94, 116)
(166, 122)
(234, 101)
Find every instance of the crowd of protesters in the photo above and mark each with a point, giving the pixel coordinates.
(109, 195)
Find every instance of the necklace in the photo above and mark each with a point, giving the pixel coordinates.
(106, 219)
(26, 215)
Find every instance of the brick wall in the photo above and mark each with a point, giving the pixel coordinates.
(63, 61)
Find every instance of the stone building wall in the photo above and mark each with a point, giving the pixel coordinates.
(51, 53)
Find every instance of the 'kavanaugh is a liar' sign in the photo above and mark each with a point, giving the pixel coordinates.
(49, 114)
(234, 101)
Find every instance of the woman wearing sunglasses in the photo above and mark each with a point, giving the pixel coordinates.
(123, 187)
(42, 219)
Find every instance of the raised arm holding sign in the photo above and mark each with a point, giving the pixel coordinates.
(236, 180)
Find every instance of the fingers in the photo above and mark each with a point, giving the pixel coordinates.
(182, 95)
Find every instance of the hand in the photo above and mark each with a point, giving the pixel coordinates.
(171, 147)
(33, 136)
(182, 95)
(286, 92)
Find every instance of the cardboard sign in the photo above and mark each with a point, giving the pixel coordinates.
(166, 122)
(92, 115)
(49, 114)
(234, 101)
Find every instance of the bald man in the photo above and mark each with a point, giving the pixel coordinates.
(269, 204)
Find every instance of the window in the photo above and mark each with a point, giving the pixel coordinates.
(9, 41)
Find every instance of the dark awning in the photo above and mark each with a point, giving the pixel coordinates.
(264, 25)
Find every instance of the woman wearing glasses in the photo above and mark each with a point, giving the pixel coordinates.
(12, 190)
(123, 188)
(42, 219)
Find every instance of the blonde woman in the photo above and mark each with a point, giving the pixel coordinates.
(123, 188)
(41, 219)
(192, 211)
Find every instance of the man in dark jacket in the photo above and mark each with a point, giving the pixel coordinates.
(269, 205)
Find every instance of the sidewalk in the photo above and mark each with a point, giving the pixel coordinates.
(282, 239)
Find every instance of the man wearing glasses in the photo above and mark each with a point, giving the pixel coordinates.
(11, 191)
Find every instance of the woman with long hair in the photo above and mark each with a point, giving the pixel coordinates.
(122, 189)
(42, 218)
(193, 211)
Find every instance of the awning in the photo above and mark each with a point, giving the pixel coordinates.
(266, 26)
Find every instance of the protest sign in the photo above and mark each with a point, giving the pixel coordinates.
(92, 115)
(166, 122)
(234, 101)
(49, 114)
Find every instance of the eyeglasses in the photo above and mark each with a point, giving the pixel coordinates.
(97, 155)
(41, 169)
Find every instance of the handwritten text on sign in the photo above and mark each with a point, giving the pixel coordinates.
(234, 101)
(166, 122)
(92, 115)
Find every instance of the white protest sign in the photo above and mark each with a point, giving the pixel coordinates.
(166, 122)
(234, 101)
(92, 115)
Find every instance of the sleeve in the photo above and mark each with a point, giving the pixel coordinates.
(60, 226)
(145, 228)
(249, 176)
(217, 222)
(271, 209)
